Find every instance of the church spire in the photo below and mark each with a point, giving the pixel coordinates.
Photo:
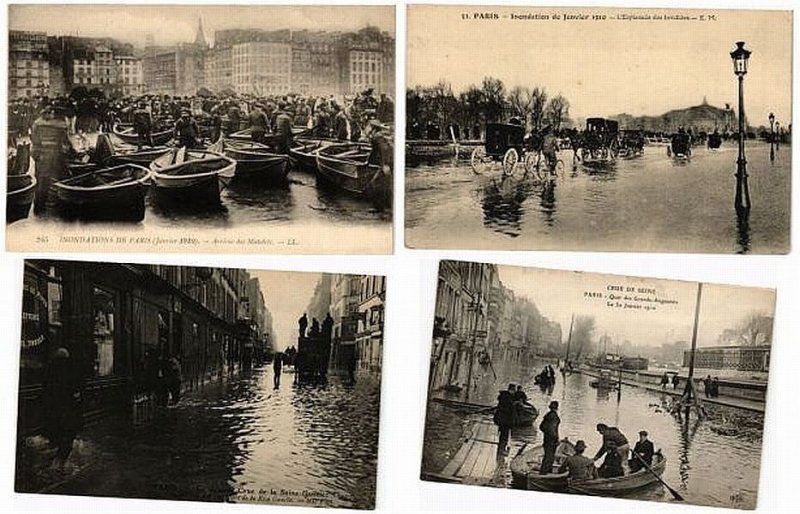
(199, 37)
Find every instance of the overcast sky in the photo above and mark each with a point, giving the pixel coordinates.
(178, 23)
(559, 294)
(609, 67)
(286, 294)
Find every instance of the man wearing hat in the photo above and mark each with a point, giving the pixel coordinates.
(283, 129)
(642, 452)
(186, 130)
(549, 429)
(49, 146)
(143, 125)
(579, 466)
(613, 442)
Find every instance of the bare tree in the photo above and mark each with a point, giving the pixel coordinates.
(755, 329)
(518, 100)
(493, 98)
(537, 99)
(557, 111)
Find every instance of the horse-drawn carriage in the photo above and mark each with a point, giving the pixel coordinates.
(506, 144)
(680, 147)
(600, 141)
(631, 143)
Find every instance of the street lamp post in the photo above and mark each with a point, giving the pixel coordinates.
(740, 56)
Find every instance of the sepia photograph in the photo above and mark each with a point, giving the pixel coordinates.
(200, 128)
(199, 384)
(598, 129)
(598, 385)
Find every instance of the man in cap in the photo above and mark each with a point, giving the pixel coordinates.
(186, 130)
(504, 416)
(579, 466)
(283, 129)
(642, 452)
(49, 146)
(258, 124)
(549, 429)
(143, 125)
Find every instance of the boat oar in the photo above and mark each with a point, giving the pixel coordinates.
(672, 491)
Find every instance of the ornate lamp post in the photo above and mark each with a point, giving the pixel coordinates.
(740, 56)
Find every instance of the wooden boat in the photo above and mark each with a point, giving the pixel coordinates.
(304, 151)
(256, 160)
(246, 135)
(20, 191)
(109, 193)
(347, 166)
(111, 150)
(526, 416)
(125, 132)
(196, 174)
(525, 469)
(622, 485)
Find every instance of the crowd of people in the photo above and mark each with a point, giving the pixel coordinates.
(44, 125)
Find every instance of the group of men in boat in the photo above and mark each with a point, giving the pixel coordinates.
(615, 451)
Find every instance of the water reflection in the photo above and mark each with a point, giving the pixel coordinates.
(715, 461)
(646, 204)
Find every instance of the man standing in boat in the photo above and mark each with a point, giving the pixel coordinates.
(186, 130)
(258, 124)
(143, 125)
(382, 155)
(549, 429)
(283, 129)
(49, 143)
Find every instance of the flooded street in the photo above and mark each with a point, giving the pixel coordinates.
(649, 203)
(714, 462)
(245, 441)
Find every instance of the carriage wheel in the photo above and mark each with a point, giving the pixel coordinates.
(479, 161)
(510, 160)
(559, 171)
(531, 163)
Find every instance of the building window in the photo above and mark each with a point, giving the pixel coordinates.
(104, 308)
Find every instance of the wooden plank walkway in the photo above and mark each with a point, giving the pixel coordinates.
(477, 460)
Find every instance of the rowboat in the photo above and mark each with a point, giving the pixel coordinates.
(20, 191)
(246, 135)
(126, 132)
(304, 151)
(622, 485)
(109, 193)
(256, 160)
(526, 467)
(196, 174)
(525, 416)
(112, 150)
(347, 166)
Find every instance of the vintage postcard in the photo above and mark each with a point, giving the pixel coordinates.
(599, 385)
(200, 384)
(200, 128)
(598, 129)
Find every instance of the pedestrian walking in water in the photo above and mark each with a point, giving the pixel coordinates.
(277, 367)
(549, 429)
(707, 386)
(303, 324)
(62, 405)
(664, 380)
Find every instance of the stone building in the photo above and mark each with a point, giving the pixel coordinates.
(28, 64)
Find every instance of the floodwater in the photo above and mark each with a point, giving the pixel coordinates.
(714, 462)
(247, 442)
(647, 203)
(248, 202)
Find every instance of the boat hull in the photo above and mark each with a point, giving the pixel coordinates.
(19, 196)
(525, 470)
(123, 199)
(351, 175)
(132, 138)
(181, 180)
(624, 485)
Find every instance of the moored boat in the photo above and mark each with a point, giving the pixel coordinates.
(196, 174)
(109, 193)
(112, 150)
(127, 134)
(256, 160)
(347, 166)
(304, 151)
(20, 191)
